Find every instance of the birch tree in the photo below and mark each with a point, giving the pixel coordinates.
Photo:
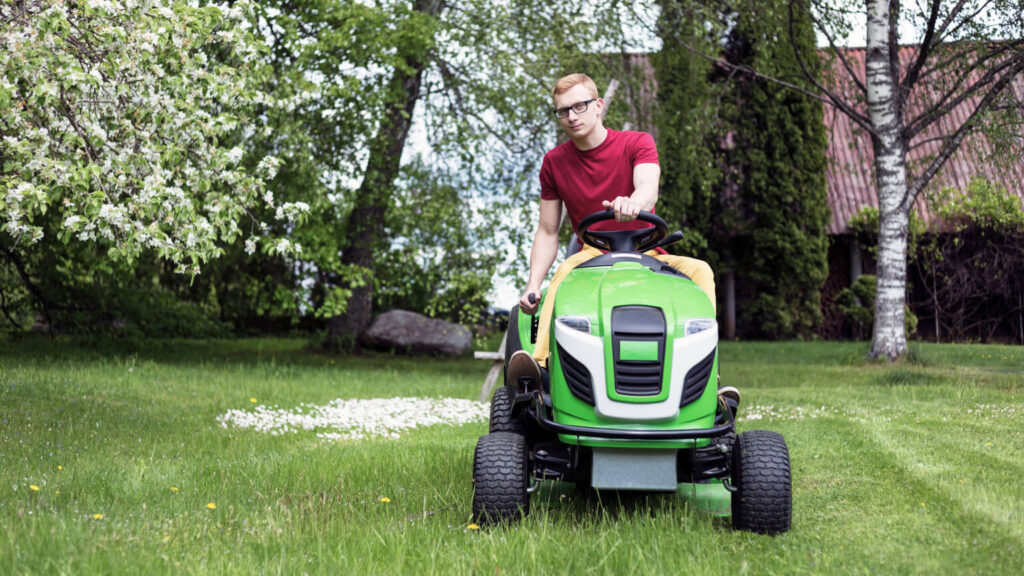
(925, 62)
(967, 55)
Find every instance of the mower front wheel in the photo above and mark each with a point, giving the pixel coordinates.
(500, 478)
(762, 501)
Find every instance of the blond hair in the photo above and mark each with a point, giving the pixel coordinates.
(566, 83)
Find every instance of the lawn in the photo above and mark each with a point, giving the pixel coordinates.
(113, 460)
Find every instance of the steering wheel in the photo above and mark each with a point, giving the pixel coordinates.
(640, 240)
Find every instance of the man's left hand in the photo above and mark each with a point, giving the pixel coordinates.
(626, 209)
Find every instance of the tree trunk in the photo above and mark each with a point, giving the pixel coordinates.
(889, 339)
(365, 229)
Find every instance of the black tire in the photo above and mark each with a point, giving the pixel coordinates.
(501, 414)
(500, 479)
(763, 500)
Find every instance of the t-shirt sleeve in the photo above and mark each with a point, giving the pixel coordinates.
(548, 190)
(644, 150)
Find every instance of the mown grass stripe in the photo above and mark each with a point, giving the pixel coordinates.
(127, 421)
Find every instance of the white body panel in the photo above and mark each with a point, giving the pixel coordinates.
(589, 350)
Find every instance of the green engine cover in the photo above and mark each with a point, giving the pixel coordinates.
(594, 293)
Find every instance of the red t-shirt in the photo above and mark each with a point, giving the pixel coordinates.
(582, 179)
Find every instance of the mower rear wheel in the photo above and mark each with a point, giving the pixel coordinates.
(501, 414)
(500, 478)
(762, 501)
(512, 341)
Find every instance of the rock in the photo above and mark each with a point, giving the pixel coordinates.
(413, 333)
(40, 325)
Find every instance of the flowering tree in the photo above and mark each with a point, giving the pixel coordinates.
(116, 115)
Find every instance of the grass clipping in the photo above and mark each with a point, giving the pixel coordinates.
(358, 419)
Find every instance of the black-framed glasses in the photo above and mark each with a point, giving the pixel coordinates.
(579, 108)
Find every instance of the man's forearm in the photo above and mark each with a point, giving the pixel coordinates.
(645, 197)
(542, 256)
(645, 185)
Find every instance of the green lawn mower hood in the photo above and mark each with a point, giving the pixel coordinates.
(633, 342)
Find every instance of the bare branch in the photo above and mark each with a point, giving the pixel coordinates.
(836, 51)
(943, 33)
(830, 97)
(953, 142)
(924, 51)
(948, 102)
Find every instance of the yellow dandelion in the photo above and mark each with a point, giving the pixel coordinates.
(385, 499)
(174, 488)
(253, 400)
(33, 488)
(58, 492)
(59, 467)
(472, 527)
(988, 443)
(211, 506)
(97, 516)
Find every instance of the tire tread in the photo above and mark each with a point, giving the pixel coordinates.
(500, 477)
(761, 474)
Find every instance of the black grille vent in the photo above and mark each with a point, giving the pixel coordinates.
(644, 324)
(697, 379)
(576, 376)
(638, 378)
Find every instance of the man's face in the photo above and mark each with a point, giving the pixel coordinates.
(579, 125)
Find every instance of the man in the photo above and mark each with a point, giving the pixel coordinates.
(596, 169)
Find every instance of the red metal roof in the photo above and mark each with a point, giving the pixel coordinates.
(850, 172)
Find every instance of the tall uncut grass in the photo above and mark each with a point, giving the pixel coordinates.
(112, 461)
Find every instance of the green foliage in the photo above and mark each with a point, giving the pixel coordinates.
(689, 130)
(983, 205)
(857, 305)
(744, 158)
(779, 157)
(971, 267)
(437, 264)
(75, 290)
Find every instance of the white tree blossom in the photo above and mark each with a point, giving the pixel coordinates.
(121, 116)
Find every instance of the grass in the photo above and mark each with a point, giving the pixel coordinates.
(910, 468)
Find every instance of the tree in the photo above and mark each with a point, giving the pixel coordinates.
(966, 56)
(689, 135)
(365, 230)
(114, 120)
(475, 74)
(744, 158)
(778, 160)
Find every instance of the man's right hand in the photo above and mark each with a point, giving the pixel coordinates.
(524, 301)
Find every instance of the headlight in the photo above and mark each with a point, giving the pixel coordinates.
(580, 323)
(698, 325)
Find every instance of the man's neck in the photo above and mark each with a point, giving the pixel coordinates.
(592, 140)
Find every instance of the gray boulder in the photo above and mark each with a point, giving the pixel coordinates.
(409, 332)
